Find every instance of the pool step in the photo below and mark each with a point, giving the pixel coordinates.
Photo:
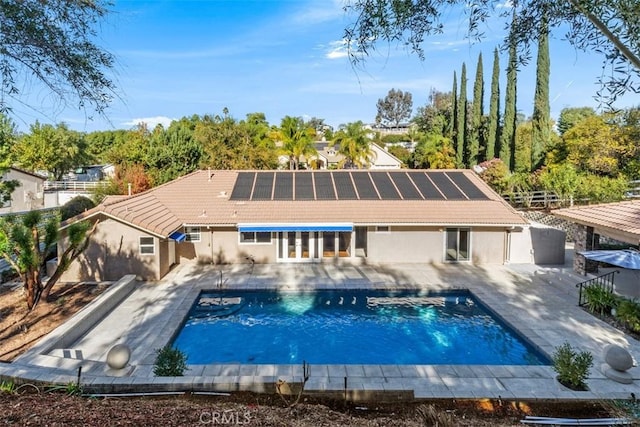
(67, 353)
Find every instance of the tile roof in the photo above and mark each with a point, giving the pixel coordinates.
(619, 217)
(202, 198)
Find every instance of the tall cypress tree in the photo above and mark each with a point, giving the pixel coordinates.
(475, 133)
(454, 113)
(493, 141)
(461, 124)
(508, 134)
(541, 120)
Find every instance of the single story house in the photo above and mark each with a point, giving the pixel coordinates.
(29, 195)
(232, 216)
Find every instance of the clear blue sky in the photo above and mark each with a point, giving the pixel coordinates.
(285, 57)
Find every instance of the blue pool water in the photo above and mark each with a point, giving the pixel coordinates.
(348, 327)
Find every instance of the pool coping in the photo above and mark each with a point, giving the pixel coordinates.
(363, 381)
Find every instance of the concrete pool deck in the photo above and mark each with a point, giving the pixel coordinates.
(539, 301)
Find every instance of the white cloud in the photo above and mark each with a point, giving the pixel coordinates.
(336, 50)
(151, 122)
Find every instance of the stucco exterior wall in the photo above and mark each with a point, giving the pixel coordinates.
(28, 196)
(114, 251)
(487, 246)
(537, 244)
(222, 246)
(405, 244)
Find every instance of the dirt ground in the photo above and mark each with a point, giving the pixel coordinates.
(20, 329)
(55, 409)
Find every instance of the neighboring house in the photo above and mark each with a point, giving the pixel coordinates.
(214, 217)
(29, 195)
(329, 158)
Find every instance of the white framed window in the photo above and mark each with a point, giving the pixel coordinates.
(147, 246)
(255, 237)
(383, 229)
(193, 234)
(458, 244)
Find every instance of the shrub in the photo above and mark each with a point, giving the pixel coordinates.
(572, 366)
(600, 300)
(628, 311)
(170, 362)
(75, 206)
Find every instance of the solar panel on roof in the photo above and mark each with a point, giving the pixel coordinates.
(467, 186)
(385, 186)
(426, 187)
(283, 189)
(344, 186)
(444, 184)
(405, 186)
(324, 186)
(264, 186)
(303, 186)
(364, 186)
(242, 187)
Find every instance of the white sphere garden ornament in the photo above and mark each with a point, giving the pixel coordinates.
(118, 356)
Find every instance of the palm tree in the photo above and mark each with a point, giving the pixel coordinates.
(354, 144)
(296, 139)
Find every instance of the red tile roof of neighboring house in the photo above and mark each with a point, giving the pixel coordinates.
(202, 198)
(618, 220)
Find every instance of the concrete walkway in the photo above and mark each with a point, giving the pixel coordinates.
(540, 302)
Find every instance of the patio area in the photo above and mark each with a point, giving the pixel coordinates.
(540, 302)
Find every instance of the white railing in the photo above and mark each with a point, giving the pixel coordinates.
(79, 186)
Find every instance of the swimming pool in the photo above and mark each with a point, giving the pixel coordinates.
(349, 327)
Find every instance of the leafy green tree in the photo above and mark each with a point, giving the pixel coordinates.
(496, 174)
(56, 150)
(461, 123)
(601, 189)
(433, 151)
(394, 108)
(8, 136)
(561, 179)
(541, 121)
(354, 144)
(26, 245)
(493, 122)
(508, 133)
(477, 110)
(571, 116)
(52, 42)
(232, 144)
(401, 153)
(173, 152)
(100, 144)
(436, 116)
(522, 153)
(607, 27)
(597, 146)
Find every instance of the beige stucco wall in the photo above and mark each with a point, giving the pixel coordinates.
(222, 246)
(405, 244)
(537, 244)
(113, 252)
(28, 196)
(487, 246)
